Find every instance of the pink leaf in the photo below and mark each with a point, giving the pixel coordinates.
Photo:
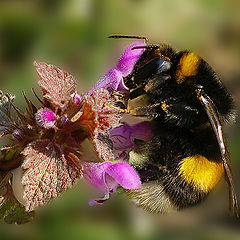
(107, 117)
(103, 147)
(56, 84)
(48, 173)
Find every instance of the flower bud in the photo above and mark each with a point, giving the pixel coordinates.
(45, 118)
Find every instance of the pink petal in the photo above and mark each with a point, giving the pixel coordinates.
(125, 175)
(142, 131)
(129, 58)
(109, 82)
(113, 80)
(76, 98)
(94, 173)
(121, 137)
(106, 176)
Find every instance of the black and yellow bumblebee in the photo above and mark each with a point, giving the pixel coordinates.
(187, 105)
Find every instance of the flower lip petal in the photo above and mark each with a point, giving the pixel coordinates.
(94, 173)
(106, 176)
(99, 201)
(125, 175)
(143, 131)
(121, 137)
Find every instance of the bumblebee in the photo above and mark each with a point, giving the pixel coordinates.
(187, 105)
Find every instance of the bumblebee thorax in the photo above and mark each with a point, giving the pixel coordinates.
(187, 66)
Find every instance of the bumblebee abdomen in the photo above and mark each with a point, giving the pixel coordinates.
(202, 173)
(180, 188)
(182, 168)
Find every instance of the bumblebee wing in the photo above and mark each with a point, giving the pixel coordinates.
(143, 72)
(149, 69)
(216, 124)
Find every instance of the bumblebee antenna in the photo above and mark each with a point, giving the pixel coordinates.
(147, 47)
(130, 37)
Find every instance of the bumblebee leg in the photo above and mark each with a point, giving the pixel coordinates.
(179, 113)
(136, 92)
(153, 85)
(151, 111)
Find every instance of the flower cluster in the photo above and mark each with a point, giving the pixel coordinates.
(46, 140)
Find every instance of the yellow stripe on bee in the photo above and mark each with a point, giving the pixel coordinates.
(201, 172)
(187, 66)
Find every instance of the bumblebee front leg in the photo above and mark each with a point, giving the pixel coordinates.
(179, 113)
(150, 111)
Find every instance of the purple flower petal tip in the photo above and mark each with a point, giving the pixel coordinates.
(106, 176)
(45, 118)
(129, 58)
(113, 80)
(94, 173)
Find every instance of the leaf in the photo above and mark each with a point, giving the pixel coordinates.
(56, 84)
(48, 173)
(13, 212)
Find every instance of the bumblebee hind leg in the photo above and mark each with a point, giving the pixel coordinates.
(152, 198)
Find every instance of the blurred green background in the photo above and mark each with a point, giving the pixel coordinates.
(73, 35)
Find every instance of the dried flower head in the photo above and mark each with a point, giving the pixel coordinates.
(46, 140)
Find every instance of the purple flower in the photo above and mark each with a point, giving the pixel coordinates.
(45, 118)
(129, 58)
(113, 80)
(123, 136)
(107, 175)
